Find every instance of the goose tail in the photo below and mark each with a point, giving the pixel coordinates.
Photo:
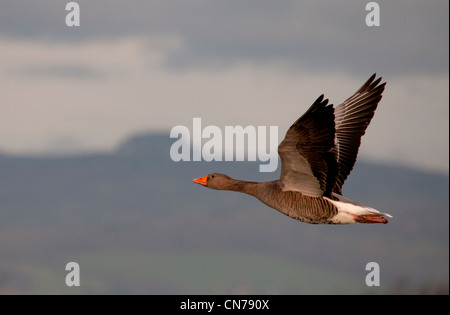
(352, 212)
(373, 217)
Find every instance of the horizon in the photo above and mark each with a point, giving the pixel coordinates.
(55, 154)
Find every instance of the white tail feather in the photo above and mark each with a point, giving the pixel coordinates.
(348, 209)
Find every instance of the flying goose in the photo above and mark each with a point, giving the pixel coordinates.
(317, 155)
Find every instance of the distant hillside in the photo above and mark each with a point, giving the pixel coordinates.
(136, 224)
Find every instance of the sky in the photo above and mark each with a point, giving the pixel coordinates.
(141, 66)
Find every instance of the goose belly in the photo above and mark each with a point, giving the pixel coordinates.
(313, 210)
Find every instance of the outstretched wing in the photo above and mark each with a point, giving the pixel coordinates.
(352, 118)
(308, 155)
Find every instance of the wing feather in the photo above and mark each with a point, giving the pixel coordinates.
(308, 161)
(353, 117)
(320, 148)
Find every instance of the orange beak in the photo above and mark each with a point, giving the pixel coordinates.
(201, 180)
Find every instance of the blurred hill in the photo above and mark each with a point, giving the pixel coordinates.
(135, 223)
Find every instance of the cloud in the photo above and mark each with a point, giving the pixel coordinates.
(309, 35)
(158, 64)
(57, 70)
(137, 93)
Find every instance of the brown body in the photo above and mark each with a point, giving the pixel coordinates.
(294, 204)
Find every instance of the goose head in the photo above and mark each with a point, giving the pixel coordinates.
(214, 181)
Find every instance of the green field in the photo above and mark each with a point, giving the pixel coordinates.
(191, 273)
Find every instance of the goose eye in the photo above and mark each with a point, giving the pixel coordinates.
(212, 176)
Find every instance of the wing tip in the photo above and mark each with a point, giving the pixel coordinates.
(376, 82)
(321, 101)
(372, 84)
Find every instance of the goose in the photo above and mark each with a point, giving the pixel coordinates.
(317, 155)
